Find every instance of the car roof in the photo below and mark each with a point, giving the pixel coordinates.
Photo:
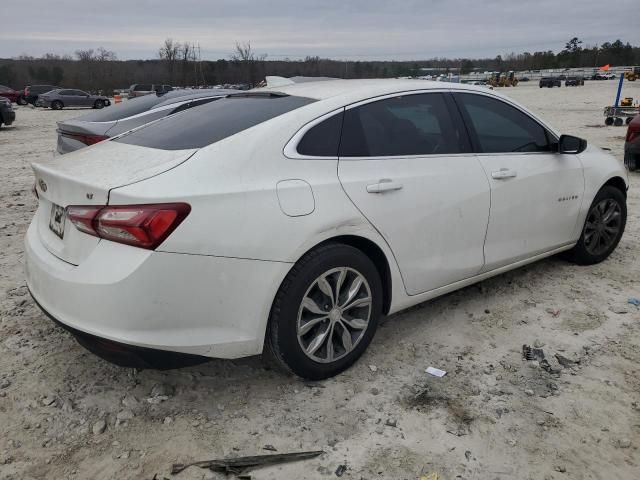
(356, 89)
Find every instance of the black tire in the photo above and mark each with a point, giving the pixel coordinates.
(581, 253)
(282, 334)
(98, 104)
(631, 161)
(22, 101)
(608, 121)
(57, 105)
(627, 120)
(618, 122)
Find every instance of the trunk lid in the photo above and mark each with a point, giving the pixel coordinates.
(85, 177)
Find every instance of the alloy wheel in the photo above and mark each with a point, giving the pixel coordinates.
(603, 225)
(334, 314)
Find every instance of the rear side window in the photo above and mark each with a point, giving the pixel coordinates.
(210, 123)
(323, 139)
(500, 128)
(142, 88)
(406, 125)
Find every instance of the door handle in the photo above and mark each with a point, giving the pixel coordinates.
(504, 173)
(384, 185)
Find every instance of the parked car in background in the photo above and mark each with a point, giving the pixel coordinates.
(94, 127)
(293, 218)
(603, 76)
(574, 82)
(10, 93)
(62, 98)
(7, 114)
(141, 89)
(550, 82)
(632, 145)
(32, 92)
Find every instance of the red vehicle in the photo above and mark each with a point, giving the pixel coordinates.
(632, 145)
(15, 96)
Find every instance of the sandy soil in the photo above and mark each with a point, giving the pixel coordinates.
(494, 416)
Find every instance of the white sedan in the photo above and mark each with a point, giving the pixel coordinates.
(293, 218)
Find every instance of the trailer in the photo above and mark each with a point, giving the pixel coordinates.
(619, 116)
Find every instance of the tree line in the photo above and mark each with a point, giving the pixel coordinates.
(179, 64)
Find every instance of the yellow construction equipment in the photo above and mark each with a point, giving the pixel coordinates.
(632, 74)
(626, 102)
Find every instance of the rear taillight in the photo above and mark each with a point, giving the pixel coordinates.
(86, 139)
(144, 226)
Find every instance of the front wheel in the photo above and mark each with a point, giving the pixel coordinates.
(325, 312)
(603, 227)
(98, 104)
(21, 101)
(56, 105)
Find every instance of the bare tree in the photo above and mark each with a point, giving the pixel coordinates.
(84, 55)
(252, 65)
(244, 53)
(169, 53)
(105, 55)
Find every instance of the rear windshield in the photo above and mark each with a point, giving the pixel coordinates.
(214, 121)
(124, 109)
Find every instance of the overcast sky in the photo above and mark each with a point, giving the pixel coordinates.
(342, 29)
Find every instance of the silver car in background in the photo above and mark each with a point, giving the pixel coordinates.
(97, 126)
(67, 97)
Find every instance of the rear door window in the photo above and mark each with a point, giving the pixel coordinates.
(497, 127)
(210, 123)
(142, 88)
(418, 124)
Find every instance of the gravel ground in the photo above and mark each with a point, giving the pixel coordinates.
(68, 414)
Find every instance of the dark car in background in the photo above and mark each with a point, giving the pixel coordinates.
(550, 82)
(11, 94)
(7, 115)
(632, 145)
(97, 126)
(32, 92)
(574, 81)
(142, 89)
(68, 97)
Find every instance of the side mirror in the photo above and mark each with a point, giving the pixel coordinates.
(571, 144)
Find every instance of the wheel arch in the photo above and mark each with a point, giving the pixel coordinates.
(617, 182)
(375, 254)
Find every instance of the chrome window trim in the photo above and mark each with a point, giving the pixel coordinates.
(291, 147)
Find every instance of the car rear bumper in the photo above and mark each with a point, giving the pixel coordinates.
(194, 304)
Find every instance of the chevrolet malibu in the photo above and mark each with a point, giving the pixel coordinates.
(291, 220)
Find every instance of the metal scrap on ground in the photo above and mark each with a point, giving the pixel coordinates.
(241, 465)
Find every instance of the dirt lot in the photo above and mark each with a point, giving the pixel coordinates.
(494, 416)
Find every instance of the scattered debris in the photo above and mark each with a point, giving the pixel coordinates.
(240, 465)
(391, 422)
(623, 443)
(553, 312)
(531, 353)
(436, 372)
(270, 448)
(99, 427)
(560, 468)
(634, 301)
(566, 362)
(373, 368)
(529, 392)
(431, 476)
(340, 470)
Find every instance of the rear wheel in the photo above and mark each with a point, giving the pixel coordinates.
(631, 161)
(608, 121)
(618, 122)
(603, 227)
(21, 101)
(326, 312)
(57, 105)
(98, 104)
